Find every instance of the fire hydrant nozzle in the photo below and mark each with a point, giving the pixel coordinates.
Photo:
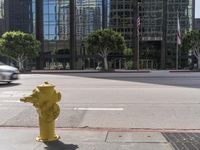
(44, 98)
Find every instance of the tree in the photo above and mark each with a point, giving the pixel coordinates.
(196, 52)
(128, 54)
(104, 42)
(19, 46)
(191, 44)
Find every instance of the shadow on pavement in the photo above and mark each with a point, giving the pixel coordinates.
(183, 80)
(59, 145)
(5, 85)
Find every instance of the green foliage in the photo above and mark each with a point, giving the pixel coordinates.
(128, 52)
(19, 46)
(190, 39)
(105, 41)
(129, 64)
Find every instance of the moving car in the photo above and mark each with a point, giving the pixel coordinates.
(8, 73)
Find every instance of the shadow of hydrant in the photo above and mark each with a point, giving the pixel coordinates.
(58, 145)
(44, 98)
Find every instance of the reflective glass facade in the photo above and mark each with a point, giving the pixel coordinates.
(56, 24)
(1, 9)
(52, 27)
(197, 23)
(18, 15)
(151, 13)
(159, 28)
(122, 18)
(88, 17)
(56, 21)
(2, 17)
(185, 12)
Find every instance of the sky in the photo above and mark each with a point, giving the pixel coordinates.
(197, 9)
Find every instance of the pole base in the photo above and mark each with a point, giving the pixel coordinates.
(40, 139)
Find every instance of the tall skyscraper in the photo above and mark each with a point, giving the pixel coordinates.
(15, 15)
(52, 21)
(197, 24)
(2, 17)
(18, 15)
(122, 13)
(157, 30)
(57, 28)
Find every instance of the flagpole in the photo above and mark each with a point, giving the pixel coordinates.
(178, 40)
(177, 54)
(138, 41)
(177, 32)
(138, 51)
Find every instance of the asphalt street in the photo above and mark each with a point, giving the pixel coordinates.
(156, 100)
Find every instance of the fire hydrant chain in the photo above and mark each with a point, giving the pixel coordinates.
(44, 98)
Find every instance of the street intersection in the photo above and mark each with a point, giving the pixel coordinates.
(158, 101)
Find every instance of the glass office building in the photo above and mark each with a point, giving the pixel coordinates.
(122, 18)
(185, 11)
(159, 28)
(2, 17)
(18, 15)
(197, 24)
(15, 15)
(56, 28)
(52, 22)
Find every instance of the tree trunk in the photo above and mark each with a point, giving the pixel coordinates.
(105, 63)
(125, 65)
(198, 59)
(20, 64)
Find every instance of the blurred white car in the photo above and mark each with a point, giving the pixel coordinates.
(8, 73)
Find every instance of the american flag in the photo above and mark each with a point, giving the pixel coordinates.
(138, 24)
(178, 31)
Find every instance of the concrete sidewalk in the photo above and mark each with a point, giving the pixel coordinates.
(19, 138)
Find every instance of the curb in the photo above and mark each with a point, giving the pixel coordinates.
(110, 129)
(82, 71)
(183, 71)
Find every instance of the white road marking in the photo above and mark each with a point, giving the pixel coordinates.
(10, 101)
(101, 109)
(6, 94)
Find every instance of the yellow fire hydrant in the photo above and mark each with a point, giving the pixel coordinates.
(44, 98)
